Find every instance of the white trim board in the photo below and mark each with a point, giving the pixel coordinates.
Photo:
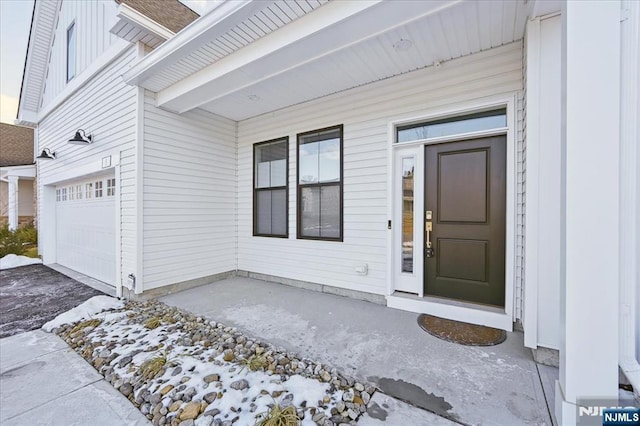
(474, 314)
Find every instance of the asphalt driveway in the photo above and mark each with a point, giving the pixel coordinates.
(32, 295)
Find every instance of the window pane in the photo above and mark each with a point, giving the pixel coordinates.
(309, 153)
(263, 210)
(329, 166)
(271, 164)
(263, 174)
(407, 214)
(279, 173)
(278, 212)
(471, 123)
(310, 214)
(71, 51)
(330, 211)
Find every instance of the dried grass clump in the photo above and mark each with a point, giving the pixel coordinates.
(84, 324)
(256, 362)
(278, 416)
(151, 323)
(152, 366)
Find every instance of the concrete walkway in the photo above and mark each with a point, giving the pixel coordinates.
(495, 385)
(44, 382)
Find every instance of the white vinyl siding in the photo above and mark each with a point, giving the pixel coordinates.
(189, 195)
(106, 108)
(366, 113)
(91, 21)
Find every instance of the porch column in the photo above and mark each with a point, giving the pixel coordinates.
(12, 211)
(590, 210)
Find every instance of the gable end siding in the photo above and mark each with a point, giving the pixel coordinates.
(93, 19)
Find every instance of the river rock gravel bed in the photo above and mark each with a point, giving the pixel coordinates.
(183, 370)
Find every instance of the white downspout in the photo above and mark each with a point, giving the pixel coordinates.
(629, 186)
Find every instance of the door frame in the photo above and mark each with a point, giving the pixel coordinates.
(451, 309)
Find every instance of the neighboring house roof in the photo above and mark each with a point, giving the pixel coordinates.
(16, 145)
(171, 14)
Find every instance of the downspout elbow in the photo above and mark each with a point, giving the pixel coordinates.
(627, 356)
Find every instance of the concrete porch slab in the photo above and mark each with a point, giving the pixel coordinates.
(385, 410)
(496, 385)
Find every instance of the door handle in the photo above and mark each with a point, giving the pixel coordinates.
(428, 227)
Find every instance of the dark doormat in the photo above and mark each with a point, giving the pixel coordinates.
(461, 332)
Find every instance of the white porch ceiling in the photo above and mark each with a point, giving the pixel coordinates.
(326, 49)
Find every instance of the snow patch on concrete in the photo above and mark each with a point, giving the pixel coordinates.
(86, 310)
(15, 261)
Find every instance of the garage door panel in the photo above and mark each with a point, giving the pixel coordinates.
(85, 228)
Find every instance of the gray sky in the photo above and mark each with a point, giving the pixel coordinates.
(15, 21)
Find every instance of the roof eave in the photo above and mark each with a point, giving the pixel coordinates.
(217, 21)
(135, 18)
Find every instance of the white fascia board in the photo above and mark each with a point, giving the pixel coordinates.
(137, 19)
(26, 171)
(27, 77)
(540, 8)
(379, 20)
(26, 118)
(206, 28)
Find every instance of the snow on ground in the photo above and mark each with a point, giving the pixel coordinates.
(14, 261)
(204, 367)
(86, 310)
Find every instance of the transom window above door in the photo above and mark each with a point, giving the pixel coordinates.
(320, 184)
(470, 123)
(270, 189)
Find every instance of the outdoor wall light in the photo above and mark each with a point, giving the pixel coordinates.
(81, 138)
(46, 154)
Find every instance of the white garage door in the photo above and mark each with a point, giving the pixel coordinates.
(85, 227)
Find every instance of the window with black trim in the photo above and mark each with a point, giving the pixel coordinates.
(320, 184)
(270, 189)
(71, 51)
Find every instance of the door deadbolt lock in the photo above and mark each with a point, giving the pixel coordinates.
(429, 252)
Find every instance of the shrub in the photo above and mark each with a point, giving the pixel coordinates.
(28, 234)
(10, 242)
(17, 241)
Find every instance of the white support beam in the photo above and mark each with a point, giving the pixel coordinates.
(590, 237)
(208, 27)
(12, 208)
(334, 27)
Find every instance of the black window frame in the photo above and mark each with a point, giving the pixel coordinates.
(72, 29)
(300, 187)
(284, 139)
